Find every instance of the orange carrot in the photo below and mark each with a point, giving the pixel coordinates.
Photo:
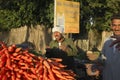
(45, 77)
(20, 71)
(8, 63)
(39, 69)
(13, 45)
(3, 59)
(2, 51)
(58, 64)
(33, 76)
(16, 69)
(27, 59)
(18, 75)
(61, 77)
(15, 54)
(70, 72)
(64, 73)
(17, 78)
(18, 50)
(56, 59)
(3, 45)
(8, 73)
(56, 71)
(54, 66)
(26, 76)
(12, 76)
(70, 77)
(46, 64)
(4, 77)
(33, 70)
(10, 49)
(51, 75)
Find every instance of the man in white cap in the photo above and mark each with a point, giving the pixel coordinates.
(62, 47)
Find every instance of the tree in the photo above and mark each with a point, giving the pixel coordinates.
(99, 11)
(17, 13)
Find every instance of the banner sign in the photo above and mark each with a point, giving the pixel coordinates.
(66, 14)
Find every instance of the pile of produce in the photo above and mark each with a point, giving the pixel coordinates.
(19, 64)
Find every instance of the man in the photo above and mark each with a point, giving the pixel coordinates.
(111, 54)
(62, 47)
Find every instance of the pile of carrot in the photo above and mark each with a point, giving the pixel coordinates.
(19, 64)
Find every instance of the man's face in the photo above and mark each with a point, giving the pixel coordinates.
(116, 26)
(57, 35)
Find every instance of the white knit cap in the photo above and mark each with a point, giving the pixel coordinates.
(58, 29)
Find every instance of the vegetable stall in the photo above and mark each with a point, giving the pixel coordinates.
(17, 63)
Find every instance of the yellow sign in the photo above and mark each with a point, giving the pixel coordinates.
(67, 15)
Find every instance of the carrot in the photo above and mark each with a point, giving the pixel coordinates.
(10, 49)
(46, 64)
(64, 73)
(27, 59)
(56, 71)
(18, 78)
(33, 76)
(3, 59)
(27, 54)
(61, 77)
(18, 57)
(70, 72)
(4, 77)
(49, 60)
(51, 75)
(33, 70)
(12, 76)
(40, 77)
(7, 53)
(3, 45)
(15, 54)
(26, 76)
(55, 67)
(20, 71)
(8, 74)
(24, 67)
(14, 65)
(18, 75)
(45, 77)
(39, 69)
(8, 63)
(58, 64)
(2, 71)
(13, 45)
(32, 55)
(18, 50)
(2, 51)
(70, 77)
(22, 63)
(16, 69)
(56, 59)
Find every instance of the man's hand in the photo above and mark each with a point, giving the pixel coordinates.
(63, 48)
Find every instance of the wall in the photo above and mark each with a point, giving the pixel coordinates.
(39, 36)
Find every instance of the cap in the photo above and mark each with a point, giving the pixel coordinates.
(58, 29)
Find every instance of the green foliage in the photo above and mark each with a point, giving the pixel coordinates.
(100, 11)
(16, 13)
